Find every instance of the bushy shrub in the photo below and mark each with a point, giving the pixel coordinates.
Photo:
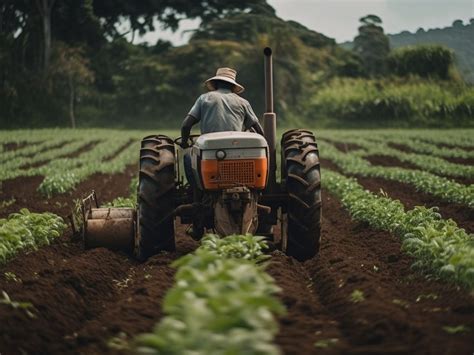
(426, 61)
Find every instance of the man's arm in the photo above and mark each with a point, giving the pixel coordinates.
(191, 119)
(251, 120)
(188, 123)
(258, 128)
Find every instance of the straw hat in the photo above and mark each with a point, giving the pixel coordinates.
(225, 74)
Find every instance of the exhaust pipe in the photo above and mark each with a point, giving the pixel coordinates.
(269, 119)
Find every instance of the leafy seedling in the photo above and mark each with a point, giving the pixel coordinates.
(400, 302)
(26, 306)
(326, 343)
(357, 296)
(119, 342)
(5, 204)
(457, 329)
(429, 296)
(10, 276)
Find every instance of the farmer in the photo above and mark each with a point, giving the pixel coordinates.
(220, 109)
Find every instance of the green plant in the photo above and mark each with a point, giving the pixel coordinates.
(27, 307)
(26, 230)
(438, 246)
(443, 188)
(10, 276)
(457, 329)
(222, 302)
(357, 296)
(326, 343)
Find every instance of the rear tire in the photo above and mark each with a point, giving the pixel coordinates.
(301, 171)
(156, 188)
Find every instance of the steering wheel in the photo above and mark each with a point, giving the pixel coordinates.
(191, 140)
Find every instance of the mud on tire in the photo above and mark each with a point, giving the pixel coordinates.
(301, 171)
(156, 196)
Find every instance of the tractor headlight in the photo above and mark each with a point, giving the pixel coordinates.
(220, 154)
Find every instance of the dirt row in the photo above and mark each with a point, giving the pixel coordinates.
(86, 299)
(23, 192)
(400, 312)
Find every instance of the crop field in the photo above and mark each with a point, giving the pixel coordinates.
(395, 273)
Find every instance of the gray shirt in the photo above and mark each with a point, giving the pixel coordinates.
(222, 110)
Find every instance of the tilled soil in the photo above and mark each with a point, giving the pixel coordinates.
(386, 160)
(400, 311)
(23, 191)
(14, 146)
(85, 299)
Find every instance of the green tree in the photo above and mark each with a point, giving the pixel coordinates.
(372, 45)
(72, 68)
(45, 8)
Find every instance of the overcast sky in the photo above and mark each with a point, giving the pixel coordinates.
(339, 18)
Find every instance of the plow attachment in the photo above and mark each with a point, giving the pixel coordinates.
(112, 228)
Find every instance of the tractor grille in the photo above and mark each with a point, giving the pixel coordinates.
(240, 172)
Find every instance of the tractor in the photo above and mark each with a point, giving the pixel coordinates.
(236, 191)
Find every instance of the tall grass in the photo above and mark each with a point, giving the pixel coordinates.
(394, 102)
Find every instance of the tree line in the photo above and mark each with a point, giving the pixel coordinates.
(69, 62)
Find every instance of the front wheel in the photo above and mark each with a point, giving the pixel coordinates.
(303, 185)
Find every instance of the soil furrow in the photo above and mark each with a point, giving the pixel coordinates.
(120, 150)
(16, 145)
(24, 191)
(136, 305)
(65, 294)
(85, 148)
(368, 286)
(84, 298)
(306, 321)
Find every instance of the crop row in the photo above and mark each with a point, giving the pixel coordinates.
(426, 162)
(452, 138)
(440, 248)
(432, 149)
(63, 175)
(27, 231)
(222, 302)
(415, 142)
(23, 166)
(440, 187)
(31, 150)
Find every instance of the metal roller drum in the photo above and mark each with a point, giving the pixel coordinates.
(112, 228)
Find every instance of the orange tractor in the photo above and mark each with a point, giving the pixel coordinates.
(237, 191)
